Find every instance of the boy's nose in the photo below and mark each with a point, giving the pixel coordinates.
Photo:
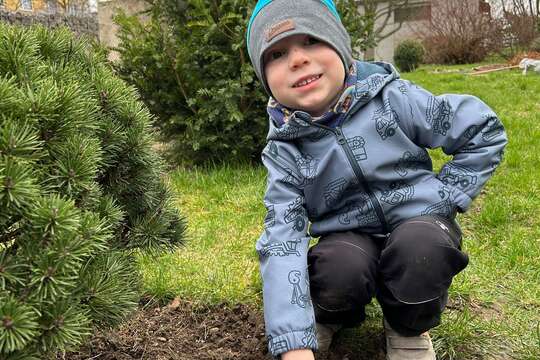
(297, 58)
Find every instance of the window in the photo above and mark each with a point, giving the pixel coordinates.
(413, 12)
(1, 3)
(26, 5)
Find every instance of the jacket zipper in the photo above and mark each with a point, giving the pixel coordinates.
(342, 141)
(360, 176)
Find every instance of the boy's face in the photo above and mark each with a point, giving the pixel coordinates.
(304, 73)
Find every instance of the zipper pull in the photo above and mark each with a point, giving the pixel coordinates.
(340, 138)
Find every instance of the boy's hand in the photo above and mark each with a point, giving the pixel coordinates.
(303, 354)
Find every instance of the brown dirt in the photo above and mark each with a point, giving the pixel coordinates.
(512, 62)
(185, 331)
(529, 54)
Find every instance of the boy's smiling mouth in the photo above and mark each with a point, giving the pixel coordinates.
(306, 80)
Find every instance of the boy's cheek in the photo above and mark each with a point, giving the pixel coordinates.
(267, 68)
(272, 76)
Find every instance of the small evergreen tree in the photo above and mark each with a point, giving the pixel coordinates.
(191, 66)
(408, 55)
(80, 191)
(361, 28)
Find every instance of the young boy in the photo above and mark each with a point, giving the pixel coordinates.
(347, 155)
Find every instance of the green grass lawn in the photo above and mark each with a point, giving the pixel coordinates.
(494, 311)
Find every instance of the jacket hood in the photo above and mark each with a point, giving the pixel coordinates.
(368, 79)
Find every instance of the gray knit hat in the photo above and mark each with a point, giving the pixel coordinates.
(273, 20)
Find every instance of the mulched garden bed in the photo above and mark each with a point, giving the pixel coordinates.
(528, 54)
(185, 331)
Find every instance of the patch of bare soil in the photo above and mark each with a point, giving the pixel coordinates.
(512, 63)
(529, 54)
(184, 331)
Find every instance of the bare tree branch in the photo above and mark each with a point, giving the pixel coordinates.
(381, 16)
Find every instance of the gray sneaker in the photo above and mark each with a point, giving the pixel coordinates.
(325, 334)
(399, 347)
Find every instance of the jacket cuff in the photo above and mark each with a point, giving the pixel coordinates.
(294, 340)
(462, 200)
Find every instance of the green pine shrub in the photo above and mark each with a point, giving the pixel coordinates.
(190, 64)
(80, 192)
(408, 55)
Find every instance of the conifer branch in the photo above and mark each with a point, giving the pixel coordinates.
(181, 86)
(79, 173)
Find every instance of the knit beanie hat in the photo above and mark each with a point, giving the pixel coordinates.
(273, 20)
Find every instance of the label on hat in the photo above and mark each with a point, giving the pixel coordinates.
(279, 28)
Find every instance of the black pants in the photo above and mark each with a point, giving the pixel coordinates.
(409, 272)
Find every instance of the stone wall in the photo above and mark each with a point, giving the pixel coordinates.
(79, 24)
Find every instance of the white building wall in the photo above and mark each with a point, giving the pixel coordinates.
(385, 48)
(409, 30)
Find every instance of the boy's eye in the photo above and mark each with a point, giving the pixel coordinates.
(274, 55)
(312, 41)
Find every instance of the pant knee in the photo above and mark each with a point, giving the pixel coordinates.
(420, 259)
(342, 273)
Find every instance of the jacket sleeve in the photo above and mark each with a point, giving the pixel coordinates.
(282, 250)
(464, 127)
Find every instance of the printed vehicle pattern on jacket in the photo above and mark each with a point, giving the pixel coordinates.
(364, 88)
(309, 339)
(494, 128)
(438, 115)
(457, 175)
(299, 297)
(334, 190)
(358, 146)
(296, 214)
(471, 131)
(386, 120)
(270, 218)
(397, 193)
(284, 248)
(402, 87)
(277, 347)
(307, 165)
(410, 161)
(443, 207)
(362, 211)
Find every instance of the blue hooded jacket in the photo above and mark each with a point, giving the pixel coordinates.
(369, 172)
